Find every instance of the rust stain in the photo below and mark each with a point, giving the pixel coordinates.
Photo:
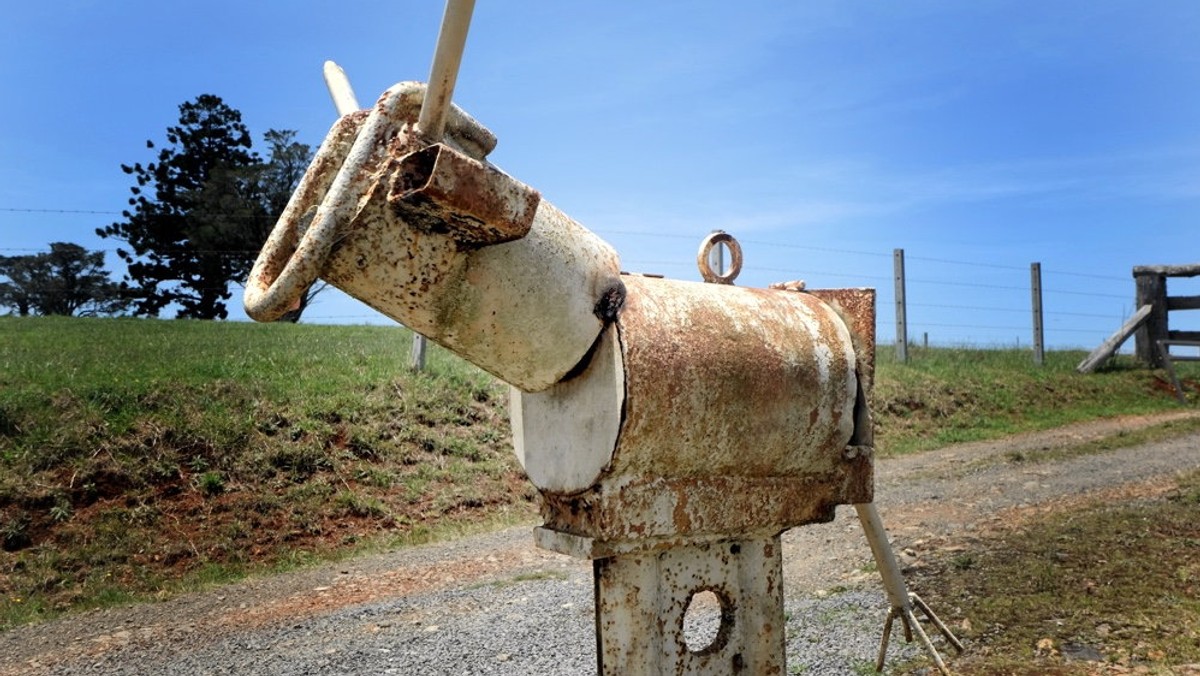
(857, 309)
(717, 506)
(739, 404)
(713, 371)
(442, 190)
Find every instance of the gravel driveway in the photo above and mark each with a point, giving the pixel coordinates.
(494, 604)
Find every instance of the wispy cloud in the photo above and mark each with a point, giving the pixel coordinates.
(856, 193)
(1154, 174)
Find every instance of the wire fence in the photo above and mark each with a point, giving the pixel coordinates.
(948, 301)
(952, 301)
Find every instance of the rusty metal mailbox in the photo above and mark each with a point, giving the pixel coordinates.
(674, 429)
(708, 419)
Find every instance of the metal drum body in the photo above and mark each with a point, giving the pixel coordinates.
(706, 410)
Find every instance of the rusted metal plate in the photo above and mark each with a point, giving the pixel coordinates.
(441, 190)
(856, 307)
(641, 602)
(730, 381)
(653, 510)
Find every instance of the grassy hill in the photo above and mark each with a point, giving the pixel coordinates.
(137, 456)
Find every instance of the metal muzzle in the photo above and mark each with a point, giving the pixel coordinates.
(435, 237)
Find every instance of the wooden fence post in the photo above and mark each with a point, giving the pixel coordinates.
(1151, 290)
(417, 356)
(1039, 336)
(901, 309)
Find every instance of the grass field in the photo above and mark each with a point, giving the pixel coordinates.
(1102, 589)
(135, 453)
(138, 457)
(946, 396)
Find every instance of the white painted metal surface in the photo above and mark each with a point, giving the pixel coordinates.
(344, 100)
(447, 58)
(701, 373)
(527, 309)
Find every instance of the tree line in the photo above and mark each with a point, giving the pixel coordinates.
(198, 214)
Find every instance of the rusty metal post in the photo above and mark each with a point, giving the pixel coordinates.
(642, 599)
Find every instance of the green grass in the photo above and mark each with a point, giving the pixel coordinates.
(944, 396)
(1170, 429)
(1122, 580)
(138, 457)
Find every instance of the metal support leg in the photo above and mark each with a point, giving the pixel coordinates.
(641, 600)
(901, 600)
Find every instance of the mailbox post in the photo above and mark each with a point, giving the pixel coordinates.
(674, 429)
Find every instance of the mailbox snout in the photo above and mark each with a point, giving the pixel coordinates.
(432, 235)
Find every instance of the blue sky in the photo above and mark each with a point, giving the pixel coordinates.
(978, 136)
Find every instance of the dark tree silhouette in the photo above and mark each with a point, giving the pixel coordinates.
(171, 257)
(203, 209)
(239, 209)
(69, 280)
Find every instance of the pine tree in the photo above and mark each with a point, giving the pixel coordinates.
(173, 257)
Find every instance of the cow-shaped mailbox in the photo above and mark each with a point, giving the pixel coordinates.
(674, 429)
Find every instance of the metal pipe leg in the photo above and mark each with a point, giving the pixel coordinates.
(937, 622)
(911, 621)
(900, 599)
(887, 634)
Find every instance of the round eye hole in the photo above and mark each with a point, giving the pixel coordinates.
(707, 622)
(719, 243)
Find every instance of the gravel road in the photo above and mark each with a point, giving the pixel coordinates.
(494, 604)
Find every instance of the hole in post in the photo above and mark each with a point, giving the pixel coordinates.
(707, 622)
